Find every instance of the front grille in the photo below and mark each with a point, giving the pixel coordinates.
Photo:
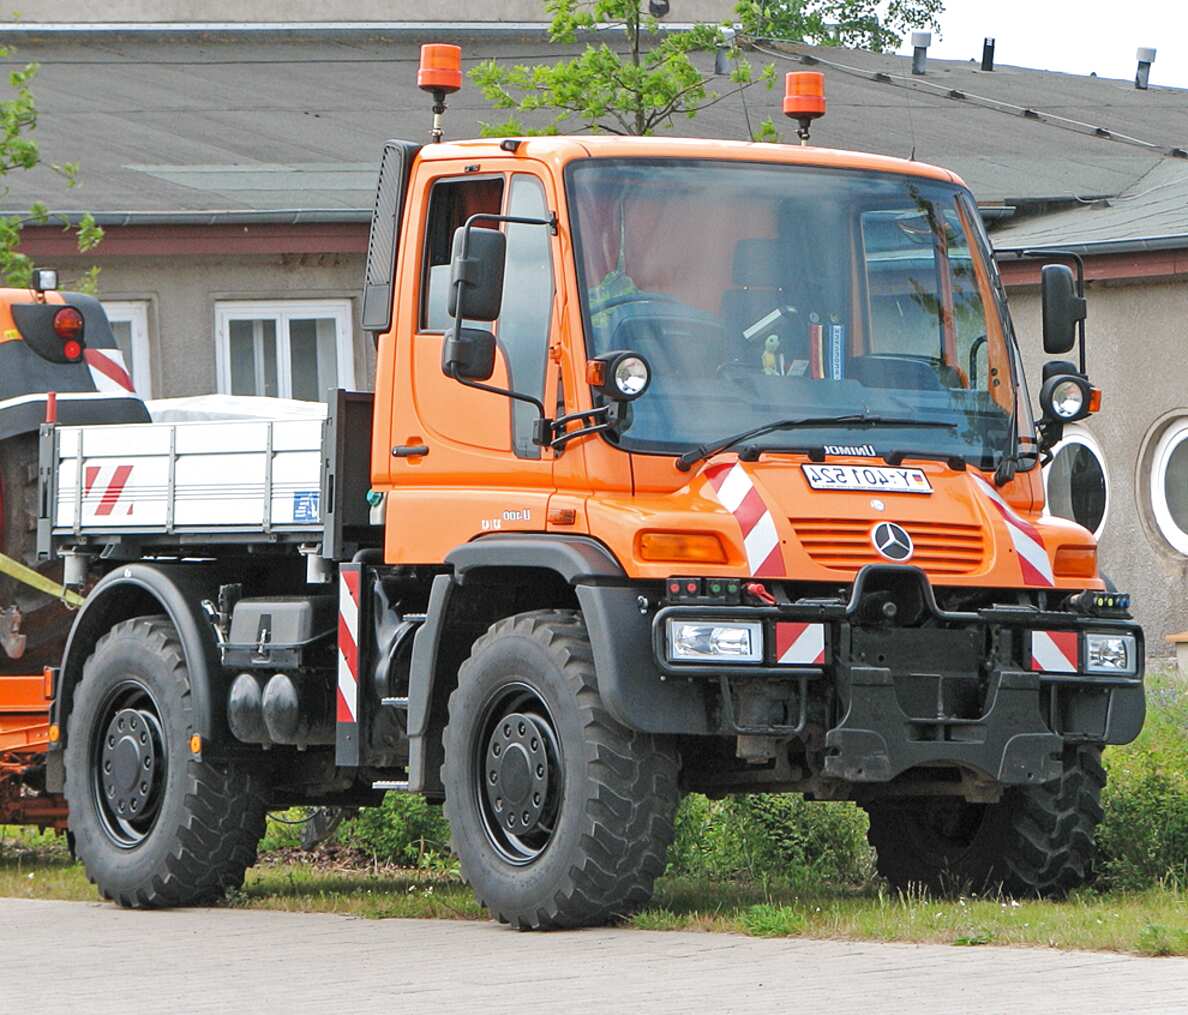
(941, 548)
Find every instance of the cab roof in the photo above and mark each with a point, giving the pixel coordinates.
(559, 150)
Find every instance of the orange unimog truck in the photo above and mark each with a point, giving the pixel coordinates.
(694, 466)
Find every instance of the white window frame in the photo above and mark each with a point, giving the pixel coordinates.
(135, 312)
(282, 312)
(1074, 434)
(1175, 434)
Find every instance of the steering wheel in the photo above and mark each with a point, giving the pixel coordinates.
(632, 297)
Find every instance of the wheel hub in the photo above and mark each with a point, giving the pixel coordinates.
(128, 761)
(517, 773)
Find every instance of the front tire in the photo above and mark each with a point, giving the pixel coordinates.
(153, 825)
(1036, 841)
(560, 816)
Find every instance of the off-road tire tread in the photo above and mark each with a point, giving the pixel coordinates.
(1042, 843)
(630, 809)
(224, 814)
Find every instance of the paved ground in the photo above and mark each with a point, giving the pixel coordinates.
(94, 959)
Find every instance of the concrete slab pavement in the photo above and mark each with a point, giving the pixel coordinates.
(95, 959)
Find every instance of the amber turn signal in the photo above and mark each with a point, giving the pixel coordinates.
(1075, 562)
(596, 373)
(1095, 399)
(441, 68)
(699, 547)
(804, 94)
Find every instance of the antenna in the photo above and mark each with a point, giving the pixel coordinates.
(440, 74)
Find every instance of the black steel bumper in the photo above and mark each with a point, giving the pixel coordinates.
(952, 689)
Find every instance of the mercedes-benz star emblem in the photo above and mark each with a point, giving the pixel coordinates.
(892, 541)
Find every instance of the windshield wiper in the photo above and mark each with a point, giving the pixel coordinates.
(860, 419)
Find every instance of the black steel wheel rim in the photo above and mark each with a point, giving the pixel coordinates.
(129, 765)
(519, 774)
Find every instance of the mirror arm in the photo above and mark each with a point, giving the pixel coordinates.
(506, 392)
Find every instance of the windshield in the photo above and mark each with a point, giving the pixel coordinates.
(760, 292)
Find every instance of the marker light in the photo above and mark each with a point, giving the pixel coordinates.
(714, 641)
(1075, 562)
(441, 68)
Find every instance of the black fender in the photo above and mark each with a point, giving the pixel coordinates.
(571, 559)
(140, 589)
(628, 680)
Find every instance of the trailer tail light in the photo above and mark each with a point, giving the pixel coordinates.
(68, 326)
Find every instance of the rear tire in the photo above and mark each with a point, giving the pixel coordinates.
(153, 825)
(559, 816)
(1036, 841)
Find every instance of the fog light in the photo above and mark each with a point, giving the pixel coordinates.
(699, 641)
(1110, 653)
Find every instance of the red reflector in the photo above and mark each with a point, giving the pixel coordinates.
(68, 326)
(72, 350)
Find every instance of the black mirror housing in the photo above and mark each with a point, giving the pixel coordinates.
(478, 277)
(469, 353)
(1063, 309)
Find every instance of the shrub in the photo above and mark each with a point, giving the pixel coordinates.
(771, 837)
(1144, 837)
(404, 829)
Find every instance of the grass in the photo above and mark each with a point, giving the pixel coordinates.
(1152, 922)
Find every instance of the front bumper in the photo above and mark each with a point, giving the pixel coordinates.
(984, 690)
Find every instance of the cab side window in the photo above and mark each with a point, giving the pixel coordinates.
(523, 329)
(451, 203)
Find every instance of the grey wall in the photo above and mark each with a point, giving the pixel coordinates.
(183, 291)
(107, 11)
(1136, 353)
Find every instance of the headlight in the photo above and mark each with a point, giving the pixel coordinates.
(701, 641)
(1068, 399)
(1110, 653)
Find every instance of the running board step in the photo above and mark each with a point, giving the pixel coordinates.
(399, 787)
(401, 703)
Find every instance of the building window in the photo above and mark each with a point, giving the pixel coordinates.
(294, 349)
(129, 324)
(1076, 481)
(1169, 484)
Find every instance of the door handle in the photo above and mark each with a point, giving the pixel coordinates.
(410, 450)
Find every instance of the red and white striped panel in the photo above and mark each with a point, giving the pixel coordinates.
(108, 371)
(1029, 545)
(1055, 652)
(105, 484)
(348, 645)
(737, 494)
(799, 644)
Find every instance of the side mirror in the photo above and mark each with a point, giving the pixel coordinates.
(476, 280)
(1063, 309)
(469, 353)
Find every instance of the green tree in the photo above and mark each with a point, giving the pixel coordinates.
(635, 91)
(19, 151)
(865, 24)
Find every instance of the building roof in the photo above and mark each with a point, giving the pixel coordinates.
(236, 126)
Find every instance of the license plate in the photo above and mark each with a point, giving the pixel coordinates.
(866, 477)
